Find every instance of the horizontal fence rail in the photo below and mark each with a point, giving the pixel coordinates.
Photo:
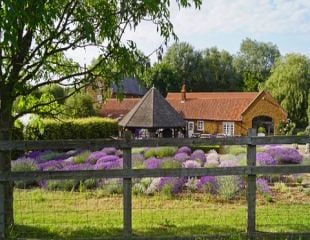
(127, 173)
(141, 173)
(122, 143)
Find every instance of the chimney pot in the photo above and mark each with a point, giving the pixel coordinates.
(183, 93)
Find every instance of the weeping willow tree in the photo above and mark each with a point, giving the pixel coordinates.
(36, 35)
(289, 83)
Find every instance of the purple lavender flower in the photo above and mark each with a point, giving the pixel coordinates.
(185, 149)
(207, 184)
(181, 157)
(109, 150)
(94, 156)
(284, 155)
(53, 165)
(153, 163)
(199, 155)
(78, 167)
(116, 164)
(262, 186)
(265, 159)
(174, 184)
(191, 164)
(108, 158)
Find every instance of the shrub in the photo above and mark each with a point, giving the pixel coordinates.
(138, 188)
(213, 156)
(261, 130)
(265, 159)
(151, 152)
(79, 105)
(263, 188)
(81, 158)
(109, 150)
(207, 184)
(228, 186)
(113, 186)
(24, 165)
(165, 152)
(235, 150)
(95, 156)
(185, 149)
(199, 155)
(191, 184)
(63, 185)
(170, 163)
(191, 164)
(137, 160)
(83, 128)
(285, 155)
(206, 148)
(171, 185)
(181, 157)
(153, 163)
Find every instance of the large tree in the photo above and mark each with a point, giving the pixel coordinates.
(35, 36)
(289, 83)
(219, 73)
(254, 62)
(187, 63)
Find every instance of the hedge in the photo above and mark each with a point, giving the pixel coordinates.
(80, 128)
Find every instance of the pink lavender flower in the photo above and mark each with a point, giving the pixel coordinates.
(185, 149)
(265, 159)
(199, 155)
(191, 164)
(181, 157)
(207, 184)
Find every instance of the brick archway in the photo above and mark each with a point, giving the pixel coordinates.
(264, 121)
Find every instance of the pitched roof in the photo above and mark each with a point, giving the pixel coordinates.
(153, 111)
(115, 108)
(227, 106)
(129, 86)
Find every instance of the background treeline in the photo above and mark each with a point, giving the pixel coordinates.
(257, 66)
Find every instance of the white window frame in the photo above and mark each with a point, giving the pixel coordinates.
(200, 125)
(229, 128)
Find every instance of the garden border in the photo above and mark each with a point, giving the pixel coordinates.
(127, 173)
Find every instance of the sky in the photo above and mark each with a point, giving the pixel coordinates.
(225, 23)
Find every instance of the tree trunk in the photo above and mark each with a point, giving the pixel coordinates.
(6, 125)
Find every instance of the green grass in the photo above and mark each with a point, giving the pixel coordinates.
(70, 215)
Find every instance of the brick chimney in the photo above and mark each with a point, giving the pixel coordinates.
(183, 93)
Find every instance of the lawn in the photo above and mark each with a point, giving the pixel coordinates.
(70, 215)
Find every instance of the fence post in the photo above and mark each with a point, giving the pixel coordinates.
(127, 184)
(2, 208)
(251, 189)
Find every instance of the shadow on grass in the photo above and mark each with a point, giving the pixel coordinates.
(195, 232)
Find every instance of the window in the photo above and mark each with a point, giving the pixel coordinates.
(228, 128)
(200, 125)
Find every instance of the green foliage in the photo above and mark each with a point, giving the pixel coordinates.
(159, 152)
(227, 186)
(289, 83)
(261, 130)
(84, 128)
(170, 163)
(206, 148)
(81, 158)
(286, 127)
(254, 62)
(235, 150)
(63, 185)
(56, 91)
(79, 105)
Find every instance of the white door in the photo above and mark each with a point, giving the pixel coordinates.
(190, 128)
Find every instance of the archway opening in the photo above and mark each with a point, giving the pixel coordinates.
(263, 122)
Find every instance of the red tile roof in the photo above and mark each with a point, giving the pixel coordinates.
(114, 108)
(212, 106)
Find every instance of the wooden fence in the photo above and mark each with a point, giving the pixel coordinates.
(127, 173)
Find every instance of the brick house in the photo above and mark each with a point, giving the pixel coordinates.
(229, 113)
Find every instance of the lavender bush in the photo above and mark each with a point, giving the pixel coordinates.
(207, 184)
(171, 186)
(191, 164)
(185, 149)
(199, 155)
(21, 165)
(265, 159)
(181, 157)
(284, 155)
(153, 163)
